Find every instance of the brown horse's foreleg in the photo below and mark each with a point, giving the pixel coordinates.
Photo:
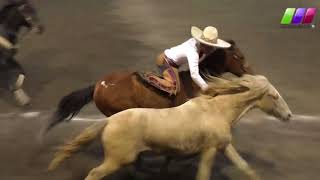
(235, 157)
(19, 94)
(206, 162)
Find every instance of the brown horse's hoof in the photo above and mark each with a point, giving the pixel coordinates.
(21, 97)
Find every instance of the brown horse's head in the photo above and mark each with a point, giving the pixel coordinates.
(226, 60)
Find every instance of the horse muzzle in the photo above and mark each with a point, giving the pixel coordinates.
(287, 118)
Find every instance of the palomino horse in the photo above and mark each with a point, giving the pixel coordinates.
(124, 90)
(13, 17)
(201, 125)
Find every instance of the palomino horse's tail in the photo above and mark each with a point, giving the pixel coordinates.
(84, 138)
(70, 105)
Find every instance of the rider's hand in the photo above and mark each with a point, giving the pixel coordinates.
(204, 88)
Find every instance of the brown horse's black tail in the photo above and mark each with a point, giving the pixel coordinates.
(70, 105)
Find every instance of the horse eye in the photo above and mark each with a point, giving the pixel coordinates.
(28, 18)
(236, 56)
(21, 8)
(274, 96)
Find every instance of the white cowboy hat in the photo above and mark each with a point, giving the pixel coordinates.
(209, 36)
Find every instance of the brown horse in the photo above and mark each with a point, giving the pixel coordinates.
(124, 90)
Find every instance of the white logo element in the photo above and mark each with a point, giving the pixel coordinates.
(103, 83)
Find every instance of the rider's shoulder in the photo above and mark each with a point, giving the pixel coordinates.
(192, 42)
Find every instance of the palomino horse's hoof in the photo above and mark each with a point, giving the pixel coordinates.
(21, 97)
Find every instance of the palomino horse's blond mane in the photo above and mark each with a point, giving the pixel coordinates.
(231, 84)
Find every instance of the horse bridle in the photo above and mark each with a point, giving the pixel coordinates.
(243, 66)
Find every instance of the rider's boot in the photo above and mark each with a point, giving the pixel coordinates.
(163, 84)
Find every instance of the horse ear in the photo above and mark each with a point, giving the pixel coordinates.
(231, 41)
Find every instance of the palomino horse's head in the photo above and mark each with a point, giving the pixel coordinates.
(265, 95)
(19, 14)
(273, 104)
(271, 101)
(226, 60)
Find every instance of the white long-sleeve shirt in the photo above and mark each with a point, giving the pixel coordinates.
(187, 52)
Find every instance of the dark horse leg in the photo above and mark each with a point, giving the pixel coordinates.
(12, 79)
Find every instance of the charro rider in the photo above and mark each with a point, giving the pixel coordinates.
(193, 51)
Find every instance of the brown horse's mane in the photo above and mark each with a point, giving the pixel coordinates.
(218, 56)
